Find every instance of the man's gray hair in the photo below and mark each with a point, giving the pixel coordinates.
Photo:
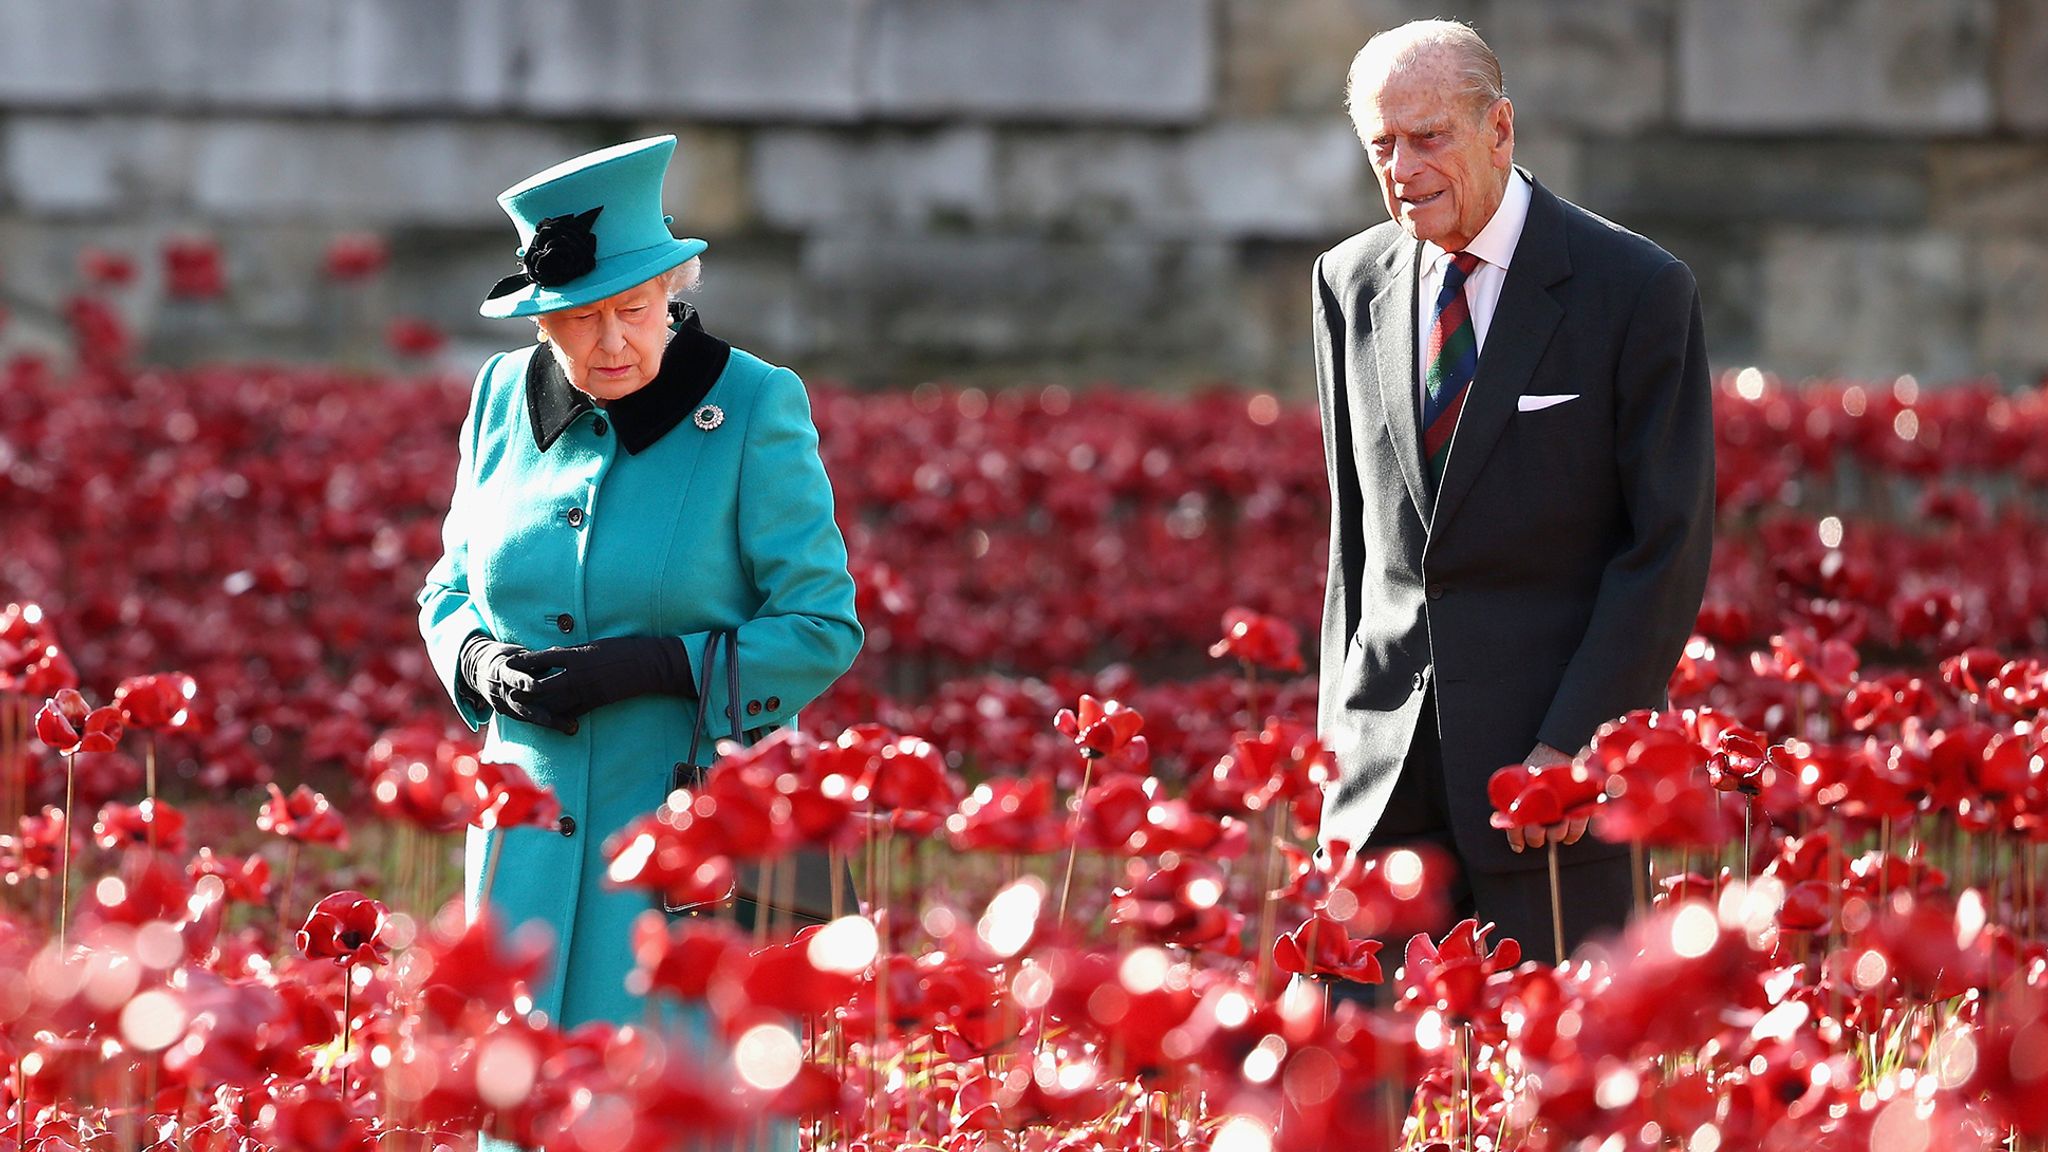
(1478, 67)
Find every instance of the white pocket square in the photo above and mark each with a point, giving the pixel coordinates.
(1539, 403)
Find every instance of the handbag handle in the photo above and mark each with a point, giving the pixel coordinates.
(684, 772)
(710, 665)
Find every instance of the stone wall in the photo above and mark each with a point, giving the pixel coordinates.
(1004, 190)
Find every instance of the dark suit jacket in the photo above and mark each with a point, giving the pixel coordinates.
(1559, 577)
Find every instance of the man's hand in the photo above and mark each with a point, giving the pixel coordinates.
(1564, 832)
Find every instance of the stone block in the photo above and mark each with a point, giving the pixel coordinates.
(753, 296)
(2022, 66)
(68, 165)
(903, 179)
(707, 185)
(1278, 179)
(1992, 188)
(263, 54)
(1140, 61)
(892, 309)
(1866, 303)
(1805, 65)
(1830, 181)
(1242, 179)
(740, 59)
(1293, 57)
(75, 53)
(1599, 64)
(373, 173)
(411, 57)
(2013, 286)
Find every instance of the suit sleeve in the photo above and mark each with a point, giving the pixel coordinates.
(1347, 544)
(1650, 592)
(805, 634)
(448, 615)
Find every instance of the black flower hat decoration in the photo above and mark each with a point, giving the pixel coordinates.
(563, 248)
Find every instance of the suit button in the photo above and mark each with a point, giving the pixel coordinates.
(774, 703)
(565, 622)
(1436, 590)
(1418, 681)
(575, 517)
(570, 728)
(753, 707)
(566, 825)
(599, 426)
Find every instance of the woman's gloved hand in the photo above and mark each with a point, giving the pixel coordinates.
(487, 667)
(574, 680)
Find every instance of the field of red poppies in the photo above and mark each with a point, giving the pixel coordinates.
(1074, 776)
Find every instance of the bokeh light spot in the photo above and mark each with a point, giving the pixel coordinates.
(767, 1057)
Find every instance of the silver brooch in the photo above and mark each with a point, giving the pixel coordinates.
(708, 417)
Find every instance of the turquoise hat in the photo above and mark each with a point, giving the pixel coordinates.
(589, 228)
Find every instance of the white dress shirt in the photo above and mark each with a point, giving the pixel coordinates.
(1495, 247)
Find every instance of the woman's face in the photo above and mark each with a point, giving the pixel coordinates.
(611, 348)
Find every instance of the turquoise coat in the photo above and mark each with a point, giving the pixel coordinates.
(703, 529)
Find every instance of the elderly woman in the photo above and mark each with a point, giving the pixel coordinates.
(627, 488)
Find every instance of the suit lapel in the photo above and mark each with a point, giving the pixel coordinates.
(1393, 327)
(1523, 321)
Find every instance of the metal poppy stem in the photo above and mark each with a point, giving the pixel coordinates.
(1074, 834)
(1556, 910)
(291, 883)
(64, 874)
(1639, 871)
(149, 782)
(1467, 1133)
(1748, 806)
(483, 898)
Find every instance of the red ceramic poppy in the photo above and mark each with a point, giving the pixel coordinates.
(347, 928)
(192, 268)
(1450, 976)
(356, 256)
(1099, 727)
(305, 816)
(244, 879)
(151, 823)
(1259, 641)
(158, 702)
(1531, 795)
(1322, 947)
(512, 800)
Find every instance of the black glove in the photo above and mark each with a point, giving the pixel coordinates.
(488, 673)
(575, 680)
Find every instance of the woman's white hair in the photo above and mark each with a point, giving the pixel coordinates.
(684, 277)
(1478, 68)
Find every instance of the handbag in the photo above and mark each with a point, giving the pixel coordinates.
(804, 896)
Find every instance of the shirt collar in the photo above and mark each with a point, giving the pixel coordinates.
(690, 365)
(1496, 242)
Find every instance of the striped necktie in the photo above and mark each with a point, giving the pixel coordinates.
(1453, 356)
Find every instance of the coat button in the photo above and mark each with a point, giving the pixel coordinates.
(566, 825)
(599, 426)
(1418, 681)
(753, 707)
(575, 517)
(774, 703)
(1436, 590)
(565, 622)
(569, 729)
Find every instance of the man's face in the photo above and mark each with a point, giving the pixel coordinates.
(1442, 159)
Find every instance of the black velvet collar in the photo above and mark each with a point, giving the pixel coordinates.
(690, 365)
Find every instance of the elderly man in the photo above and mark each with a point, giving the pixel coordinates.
(1517, 418)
